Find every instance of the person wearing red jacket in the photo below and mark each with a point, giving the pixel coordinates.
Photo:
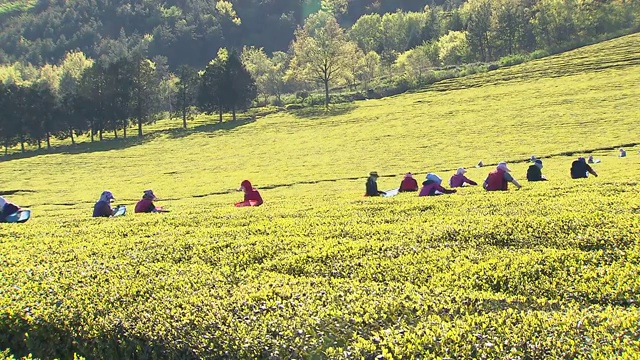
(146, 205)
(251, 196)
(408, 183)
(499, 179)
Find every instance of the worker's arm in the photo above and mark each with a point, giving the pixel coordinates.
(470, 182)
(445, 191)
(515, 182)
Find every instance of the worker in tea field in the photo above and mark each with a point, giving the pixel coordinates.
(622, 153)
(251, 196)
(7, 208)
(146, 205)
(408, 184)
(458, 179)
(499, 179)
(581, 170)
(102, 208)
(534, 172)
(431, 186)
(372, 185)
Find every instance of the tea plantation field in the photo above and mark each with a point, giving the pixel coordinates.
(319, 271)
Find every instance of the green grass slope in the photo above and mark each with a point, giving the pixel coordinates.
(549, 271)
(8, 7)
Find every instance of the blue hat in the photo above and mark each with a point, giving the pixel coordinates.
(435, 178)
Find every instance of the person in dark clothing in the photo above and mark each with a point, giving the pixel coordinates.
(372, 185)
(431, 186)
(7, 208)
(408, 184)
(581, 170)
(102, 208)
(534, 173)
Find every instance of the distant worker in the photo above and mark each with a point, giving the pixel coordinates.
(146, 205)
(622, 153)
(431, 186)
(251, 196)
(458, 180)
(580, 169)
(590, 160)
(499, 179)
(408, 184)
(533, 158)
(7, 208)
(102, 208)
(480, 164)
(372, 185)
(534, 173)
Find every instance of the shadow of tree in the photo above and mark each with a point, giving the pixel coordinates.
(124, 143)
(320, 112)
(13, 192)
(179, 133)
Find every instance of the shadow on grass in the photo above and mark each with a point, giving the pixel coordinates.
(13, 192)
(85, 147)
(124, 143)
(320, 112)
(208, 128)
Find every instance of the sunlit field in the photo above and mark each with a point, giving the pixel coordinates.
(319, 271)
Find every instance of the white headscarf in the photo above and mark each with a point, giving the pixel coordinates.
(503, 166)
(2, 202)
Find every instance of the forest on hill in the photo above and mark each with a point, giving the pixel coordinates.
(191, 31)
(95, 67)
(185, 31)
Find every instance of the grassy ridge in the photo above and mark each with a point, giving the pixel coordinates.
(550, 271)
(13, 7)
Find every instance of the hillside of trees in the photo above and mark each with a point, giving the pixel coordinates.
(89, 66)
(184, 31)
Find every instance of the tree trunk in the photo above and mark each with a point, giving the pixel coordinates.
(220, 113)
(115, 133)
(92, 134)
(73, 141)
(234, 113)
(100, 134)
(48, 141)
(326, 92)
(184, 118)
(22, 145)
(124, 130)
(39, 144)
(140, 127)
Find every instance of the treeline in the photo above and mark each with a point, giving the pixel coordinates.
(399, 49)
(185, 32)
(81, 96)
(406, 47)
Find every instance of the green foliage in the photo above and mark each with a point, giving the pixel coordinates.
(321, 52)
(549, 271)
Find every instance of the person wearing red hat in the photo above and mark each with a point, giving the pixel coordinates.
(251, 196)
